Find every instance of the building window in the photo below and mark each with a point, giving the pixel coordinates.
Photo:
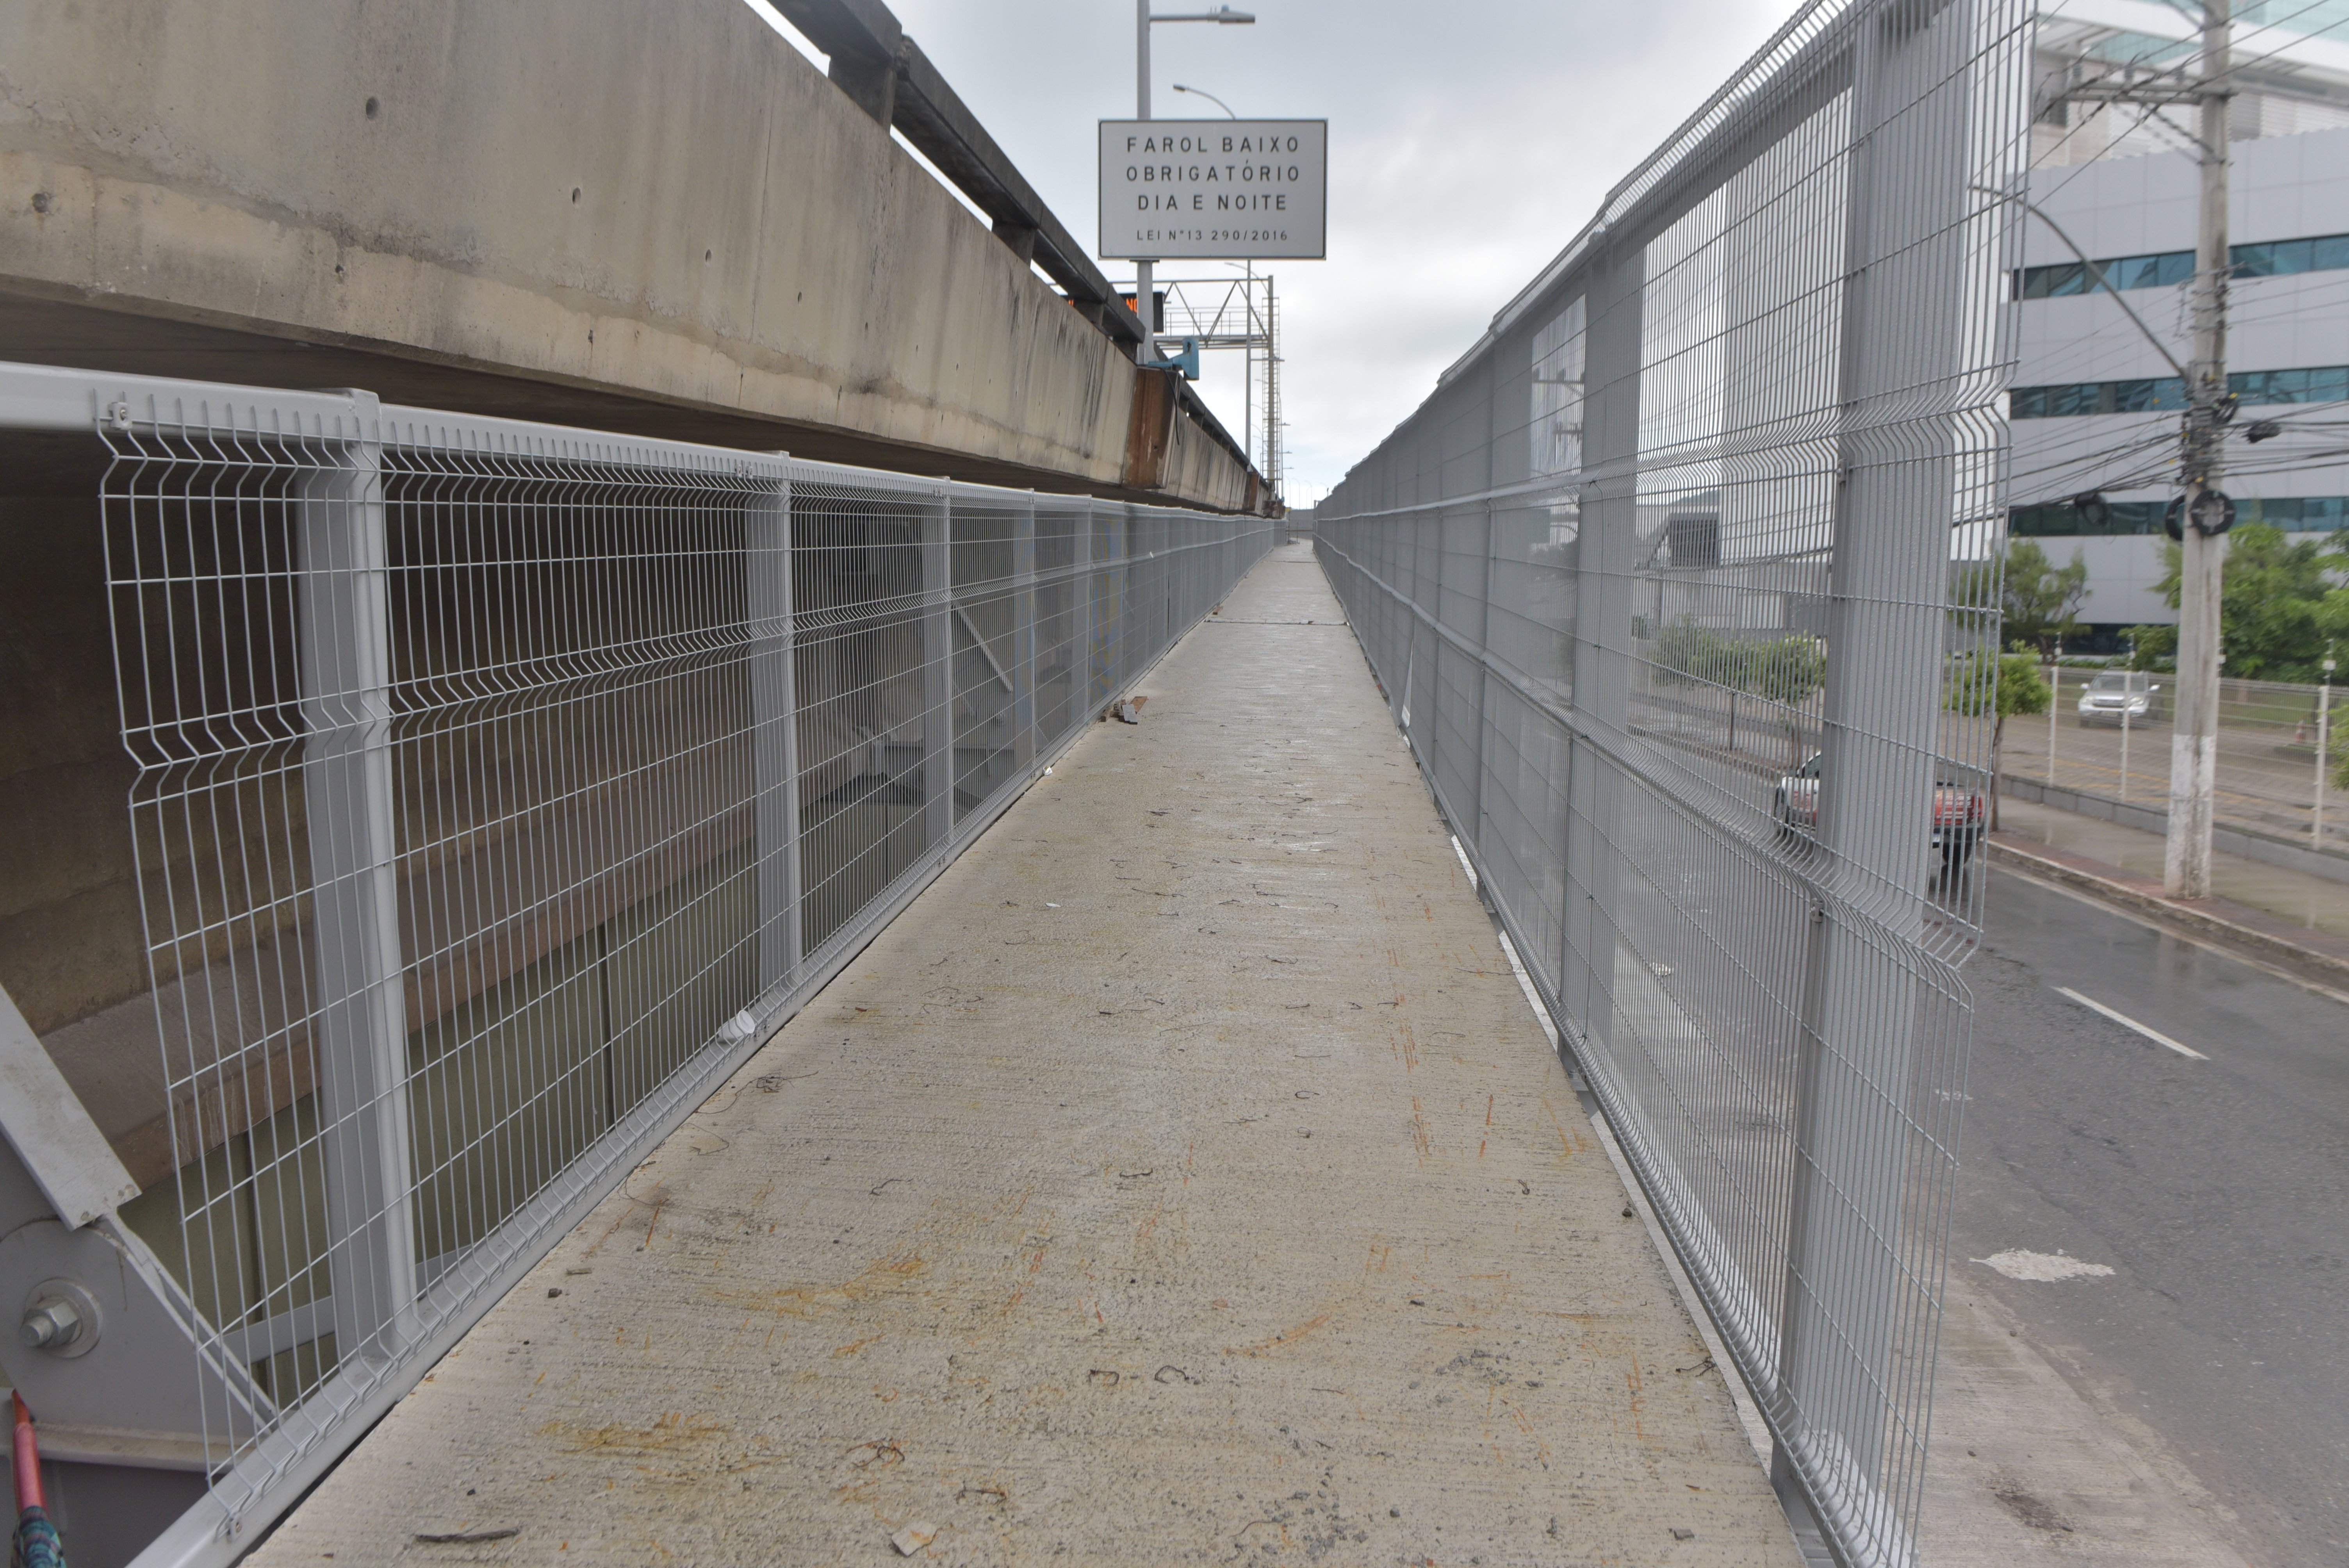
(2148, 395)
(2329, 383)
(2280, 258)
(2170, 267)
(2167, 269)
(2297, 514)
(2063, 520)
(2154, 395)
(2293, 514)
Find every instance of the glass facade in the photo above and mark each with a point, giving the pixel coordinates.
(2153, 395)
(2167, 269)
(2062, 520)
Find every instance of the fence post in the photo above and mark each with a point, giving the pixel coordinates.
(2054, 706)
(1607, 553)
(937, 671)
(1483, 678)
(1023, 635)
(774, 738)
(350, 810)
(1080, 615)
(1121, 610)
(2324, 751)
(1904, 300)
(1484, 617)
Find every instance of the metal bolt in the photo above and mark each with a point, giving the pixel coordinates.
(50, 1325)
(118, 413)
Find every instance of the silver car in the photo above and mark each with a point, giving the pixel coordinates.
(2117, 692)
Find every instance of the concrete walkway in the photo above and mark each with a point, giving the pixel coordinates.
(1182, 1179)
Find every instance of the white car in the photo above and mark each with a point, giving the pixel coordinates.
(2117, 692)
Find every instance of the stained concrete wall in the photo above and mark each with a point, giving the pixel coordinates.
(657, 218)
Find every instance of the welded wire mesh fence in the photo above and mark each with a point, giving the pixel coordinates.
(2104, 744)
(497, 789)
(1660, 583)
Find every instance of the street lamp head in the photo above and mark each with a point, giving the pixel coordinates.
(1226, 17)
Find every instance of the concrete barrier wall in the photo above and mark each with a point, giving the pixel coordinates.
(659, 218)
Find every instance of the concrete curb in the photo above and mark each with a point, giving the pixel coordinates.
(2250, 843)
(2139, 894)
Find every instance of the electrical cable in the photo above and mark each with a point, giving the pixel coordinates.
(36, 1541)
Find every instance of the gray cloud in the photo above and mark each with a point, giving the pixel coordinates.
(1468, 142)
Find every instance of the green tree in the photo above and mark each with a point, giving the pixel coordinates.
(2333, 612)
(2002, 686)
(2038, 600)
(2150, 646)
(2275, 601)
(1784, 671)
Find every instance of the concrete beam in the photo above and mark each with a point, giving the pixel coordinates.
(656, 219)
(936, 120)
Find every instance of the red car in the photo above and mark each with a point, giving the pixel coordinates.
(1959, 813)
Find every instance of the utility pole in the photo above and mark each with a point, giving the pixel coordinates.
(2194, 742)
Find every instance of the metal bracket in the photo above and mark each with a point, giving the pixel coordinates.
(139, 1362)
(61, 1148)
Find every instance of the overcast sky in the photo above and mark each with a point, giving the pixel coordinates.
(1469, 141)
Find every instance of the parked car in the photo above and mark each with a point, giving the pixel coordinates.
(1959, 812)
(2116, 692)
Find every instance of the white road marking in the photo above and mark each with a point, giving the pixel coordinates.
(2044, 1268)
(2231, 955)
(2126, 1022)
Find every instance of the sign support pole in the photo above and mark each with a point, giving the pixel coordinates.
(1146, 278)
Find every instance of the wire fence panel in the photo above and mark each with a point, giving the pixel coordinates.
(1662, 583)
(2105, 741)
(499, 788)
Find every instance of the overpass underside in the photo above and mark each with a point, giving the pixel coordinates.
(105, 337)
(1182, 1176)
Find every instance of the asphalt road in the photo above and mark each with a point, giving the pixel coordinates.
(2217, 1190)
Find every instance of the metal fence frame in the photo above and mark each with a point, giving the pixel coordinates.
(2271, 782)
(1720, 462)
(326, 611)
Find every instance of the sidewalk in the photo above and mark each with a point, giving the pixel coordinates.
(2281, 913)
(1182, 1177)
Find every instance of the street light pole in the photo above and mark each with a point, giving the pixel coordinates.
(1146, 274)
(2194, 742)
